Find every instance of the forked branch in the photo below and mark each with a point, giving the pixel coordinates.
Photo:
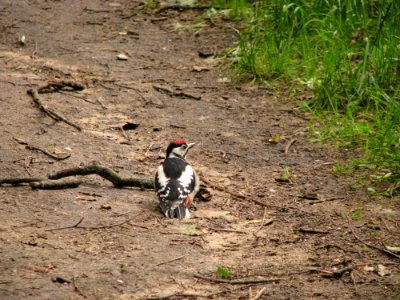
(105, 173)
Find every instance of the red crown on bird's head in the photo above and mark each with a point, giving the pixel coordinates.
(178, 142)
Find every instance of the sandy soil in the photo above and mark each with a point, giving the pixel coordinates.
(255, 226)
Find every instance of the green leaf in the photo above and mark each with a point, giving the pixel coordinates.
(223, 272)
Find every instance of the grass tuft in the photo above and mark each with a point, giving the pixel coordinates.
(346, 52)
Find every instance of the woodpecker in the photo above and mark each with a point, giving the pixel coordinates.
(176, 182)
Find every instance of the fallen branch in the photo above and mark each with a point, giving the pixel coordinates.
(31, 147)
(238, 281)
(19, 180)
(105, 173)
(54, 86)
(387, 252)
(54, 115)
(55, 185)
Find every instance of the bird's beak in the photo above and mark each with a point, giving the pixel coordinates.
(191, 145)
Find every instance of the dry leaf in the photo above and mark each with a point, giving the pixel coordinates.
(224, 80)
(383, 271)
(369, 269)
(204, 194)
(200, 68)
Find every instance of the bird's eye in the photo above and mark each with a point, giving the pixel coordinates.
(184, 146)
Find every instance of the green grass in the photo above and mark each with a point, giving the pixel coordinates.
(223, 272)
(345, 52)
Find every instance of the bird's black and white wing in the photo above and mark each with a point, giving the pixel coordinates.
(175, 180)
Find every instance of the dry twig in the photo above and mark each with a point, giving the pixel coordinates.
(238, 281)
(67, 227)
(264, 222)
(387, 252)
(170, 92)
(171, 260)
(354, 283)
(259, 294)
(53, 114)
(338, 273)
(327, 200)
(78, 97)
(31, 147)
(312, 231)
(179, 7)
(289, 144)
(96, 227)
(226, 230)
(181, 294)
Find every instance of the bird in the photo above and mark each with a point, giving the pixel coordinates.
(176, 183)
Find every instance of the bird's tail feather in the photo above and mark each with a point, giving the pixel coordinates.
(180, 212)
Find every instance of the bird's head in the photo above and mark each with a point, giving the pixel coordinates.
(178, 148)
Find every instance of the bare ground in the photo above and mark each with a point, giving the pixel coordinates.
(123, 248)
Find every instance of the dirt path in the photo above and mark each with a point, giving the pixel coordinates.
(270, 231)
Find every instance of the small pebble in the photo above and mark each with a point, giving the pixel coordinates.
(122, 56)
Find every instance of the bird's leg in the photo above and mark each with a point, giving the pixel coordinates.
(187, 201)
